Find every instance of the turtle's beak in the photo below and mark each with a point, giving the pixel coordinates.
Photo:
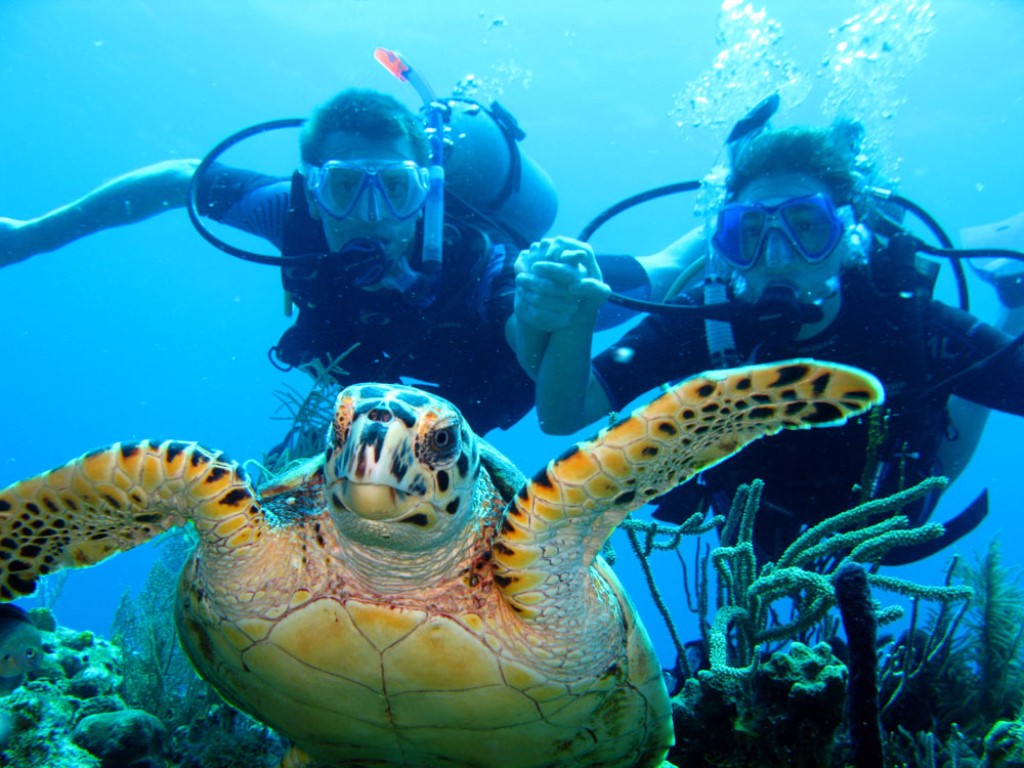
(372, 501)
(374, 474)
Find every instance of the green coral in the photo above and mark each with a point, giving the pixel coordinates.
(996, 625)
(158, 677)
(35, 729)
(724, 715)
(747, 594)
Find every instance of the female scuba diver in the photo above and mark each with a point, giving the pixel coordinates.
(804, 261)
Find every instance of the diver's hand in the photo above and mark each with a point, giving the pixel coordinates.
(558, 284)
(15, 241)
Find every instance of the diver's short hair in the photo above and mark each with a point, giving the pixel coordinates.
(365, 112)
(830, 155)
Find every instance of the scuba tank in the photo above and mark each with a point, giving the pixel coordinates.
(490, 176)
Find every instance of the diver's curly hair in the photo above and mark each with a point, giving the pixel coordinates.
(830, 155)
(367, 113)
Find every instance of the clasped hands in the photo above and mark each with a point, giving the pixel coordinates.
(558, 285)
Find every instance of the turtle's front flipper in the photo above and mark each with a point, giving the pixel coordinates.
(115, 498)
(562, 517)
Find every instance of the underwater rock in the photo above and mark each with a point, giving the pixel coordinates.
(71, 712)
(130, 737)
(225, 738)
(75, 651)
(35, 729)
(94, 681)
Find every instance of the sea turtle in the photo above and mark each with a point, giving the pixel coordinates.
(407, 598)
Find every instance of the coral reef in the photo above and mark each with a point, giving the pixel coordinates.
(133, 702)
(766, 696)
(201, 729)
(1004, 745)
(962, 699)
(77, 678)
(74, 712)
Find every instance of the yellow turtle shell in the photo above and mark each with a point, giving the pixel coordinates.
(360, 679)
(386, 605)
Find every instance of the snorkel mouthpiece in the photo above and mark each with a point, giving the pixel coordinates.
(433, 211)
(363, 261)
(779, 313)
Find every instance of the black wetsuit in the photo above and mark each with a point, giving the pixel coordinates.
(455, 347)
(811, 474)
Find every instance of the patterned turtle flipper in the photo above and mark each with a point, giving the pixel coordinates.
(113, 499)
(560, 520)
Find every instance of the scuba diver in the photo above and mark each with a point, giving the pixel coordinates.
(804, 259)
(410, 275)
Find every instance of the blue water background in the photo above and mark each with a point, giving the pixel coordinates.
(147, 331)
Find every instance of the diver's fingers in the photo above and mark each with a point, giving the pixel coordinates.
(558, 272)
(561, 249)
(528, 257)
(562, 243)
(588, 260)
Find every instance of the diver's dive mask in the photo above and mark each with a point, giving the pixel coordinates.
(809, 223)
(367, 188)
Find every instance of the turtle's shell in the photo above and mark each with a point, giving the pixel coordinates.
(450, 676)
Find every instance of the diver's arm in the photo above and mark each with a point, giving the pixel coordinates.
(569, 395)
(529, 344)
(981, 363)
(132, 197)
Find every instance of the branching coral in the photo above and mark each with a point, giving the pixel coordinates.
(307, 416)
(980, 680)
(646, 538)
(748, 624)
(804, 574)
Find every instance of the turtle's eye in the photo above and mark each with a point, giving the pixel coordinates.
(444, 441)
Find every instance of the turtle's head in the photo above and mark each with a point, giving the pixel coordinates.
(401, 468)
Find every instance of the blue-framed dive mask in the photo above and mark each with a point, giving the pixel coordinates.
(366, 189)
(810, 224)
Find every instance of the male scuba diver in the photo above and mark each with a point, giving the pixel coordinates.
(406, 296)
(803, 262)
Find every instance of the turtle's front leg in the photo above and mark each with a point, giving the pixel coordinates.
(562, 517)
(111, 500)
